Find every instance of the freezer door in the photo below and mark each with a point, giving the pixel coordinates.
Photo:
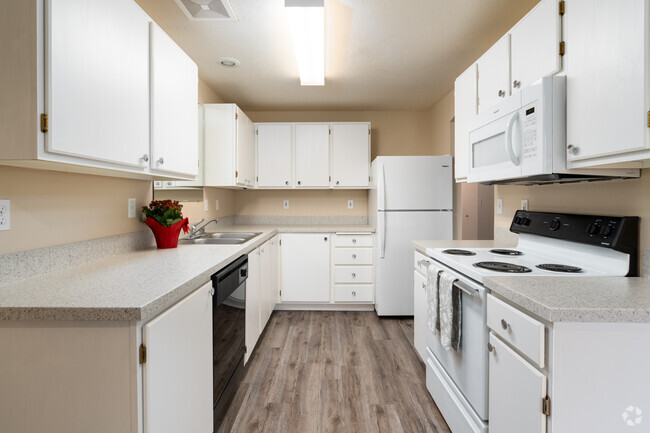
(414, 183)
(394, 255)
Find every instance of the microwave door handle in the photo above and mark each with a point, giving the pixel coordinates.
(509, 142)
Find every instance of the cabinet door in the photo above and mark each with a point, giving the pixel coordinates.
(350, 155)
(312, 155)
(199, 181)
(265, 284)
(305, 267)
(274, 155)
(465, 112)
(607, 77)
(253, 295)
(177, 376)
(275, 271)
(98, 81)
(516, 390)
(535, 45)
(494, 74)
(245, 149)
(420, 315)
(174, 98)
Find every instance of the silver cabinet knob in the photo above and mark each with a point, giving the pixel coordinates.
(424, 286)
(145, 157)
(161, 160)
(212, 291)
(354, 293)
(325, 238)
(169, 183)
(354, 256)
(299, 183)
(516, 84)
(354, 275)
(337, 182)
(491, 348)
(286, 182)
(504, 324)
(354, 241)
(572, 149)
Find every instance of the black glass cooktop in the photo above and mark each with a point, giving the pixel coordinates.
(559, 268)
(457, 252)
(503, 267)
(506, 252)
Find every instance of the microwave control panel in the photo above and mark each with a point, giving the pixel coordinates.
(529, 134)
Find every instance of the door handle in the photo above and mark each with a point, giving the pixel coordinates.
(509, 141)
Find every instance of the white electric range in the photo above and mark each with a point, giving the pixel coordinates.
(549, 244)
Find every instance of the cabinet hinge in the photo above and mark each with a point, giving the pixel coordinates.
(330, 178)
(369, 179)
(562, 48)
(236, 116)
(257, 132)
(648, 119)
(330, 132)
(561, 8)
(368, 131)
(143, 354)
(236, 174)
(546, 406)
(280, 242)
(45, 122)
(257, 178)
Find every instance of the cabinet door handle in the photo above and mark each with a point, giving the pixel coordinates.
(354, 241)
(212, 291)
(354, 275)
(491, 348)
(354, 256)
(161, 161)
(504, 324)
(516, 84)
(424, 286)
(354, 293)
(299, 183)
(325, 238)
(286, 182)
(502, 93)
(572, 149)
(145, 157)
(337, 182)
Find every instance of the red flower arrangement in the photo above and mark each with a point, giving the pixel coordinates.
(165, 219)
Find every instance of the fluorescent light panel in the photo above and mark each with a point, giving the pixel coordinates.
(307, 24)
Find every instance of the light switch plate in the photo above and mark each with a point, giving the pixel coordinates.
(350, 204)
(499, 206)
(285, 204)
(5, 215)
(524, 205)
(132, 205)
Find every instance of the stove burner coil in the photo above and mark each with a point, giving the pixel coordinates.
(457, 252)
(503, 267)
(506, 252)
(558, 268)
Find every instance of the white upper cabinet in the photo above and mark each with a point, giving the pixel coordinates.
(98, 81)
(312, 154)
(229, 146)
(534, 45)
(608, 92)
(494, 74)
(274, 141)
(350, 155)
(465, 111)
(174, 98)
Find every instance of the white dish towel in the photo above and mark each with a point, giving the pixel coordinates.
(433, 317)
(450, 312)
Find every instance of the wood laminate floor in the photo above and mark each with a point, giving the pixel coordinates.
(318, 372)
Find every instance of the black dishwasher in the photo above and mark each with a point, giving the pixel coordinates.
(228, 334)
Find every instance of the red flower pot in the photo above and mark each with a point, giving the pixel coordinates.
(167, 237)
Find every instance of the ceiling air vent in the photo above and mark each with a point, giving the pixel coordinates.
(208, 10)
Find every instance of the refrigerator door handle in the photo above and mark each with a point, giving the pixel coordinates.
(381, 185)
(382, 234)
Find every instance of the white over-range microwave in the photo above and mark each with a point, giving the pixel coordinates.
(522, 140)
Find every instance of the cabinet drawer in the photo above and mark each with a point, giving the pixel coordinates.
(419, 263)
(354, 293)
(353, 256)
(517, 328)
(353, 274)
(354, 240)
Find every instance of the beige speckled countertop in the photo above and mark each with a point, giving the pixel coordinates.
(134, 285)
(577, 299)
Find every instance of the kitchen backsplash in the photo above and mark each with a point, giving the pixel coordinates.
(301, 220)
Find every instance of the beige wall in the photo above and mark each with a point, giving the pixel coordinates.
(194, 205)
(622, 197)
(301, 202)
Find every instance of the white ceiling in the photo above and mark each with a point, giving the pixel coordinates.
(380, 54)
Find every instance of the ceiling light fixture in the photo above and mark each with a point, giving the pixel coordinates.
(229, 62)
(307, 23)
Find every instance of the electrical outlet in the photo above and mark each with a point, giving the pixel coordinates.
(524, 205)
(499, 206)
(5, 215)
(285, 204)
(132, 206)
(350, 204)
(216, 207)
(206, 205)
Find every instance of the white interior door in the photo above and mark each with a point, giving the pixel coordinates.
(350, 155)
(535, 45)
(274, 155)
(394, 255)
(174, 97)
(494, 74)
(178, 373)
(98, 80)
(253, 303)
(516, 390)
(306, 267)
(464, 113)
(312, 155)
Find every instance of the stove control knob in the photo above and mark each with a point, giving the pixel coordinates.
(518, 220)
(525, 221)
(555, 224)
(607, 230)
(592, 229)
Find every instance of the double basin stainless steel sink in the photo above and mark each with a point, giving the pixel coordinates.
(221, 238)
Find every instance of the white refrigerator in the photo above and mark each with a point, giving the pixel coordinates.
(411, 198)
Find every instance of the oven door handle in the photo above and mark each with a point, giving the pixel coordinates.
(466, 289)
(509, 141)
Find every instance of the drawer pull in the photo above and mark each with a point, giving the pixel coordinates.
(354, 275)
(424, 285)
(504, 324)
(491, 348)
(325, 239)
(424, 263)
(354, 293)
(354, 241)
(354, 256)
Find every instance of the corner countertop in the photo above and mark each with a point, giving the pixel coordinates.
(422, 246)
(135, 285)
(577, 299)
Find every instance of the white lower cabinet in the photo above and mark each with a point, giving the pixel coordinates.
(517, 390)
(420, 314)
(305, 267)
(253, 303)
(177, 374)
(266, 307)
